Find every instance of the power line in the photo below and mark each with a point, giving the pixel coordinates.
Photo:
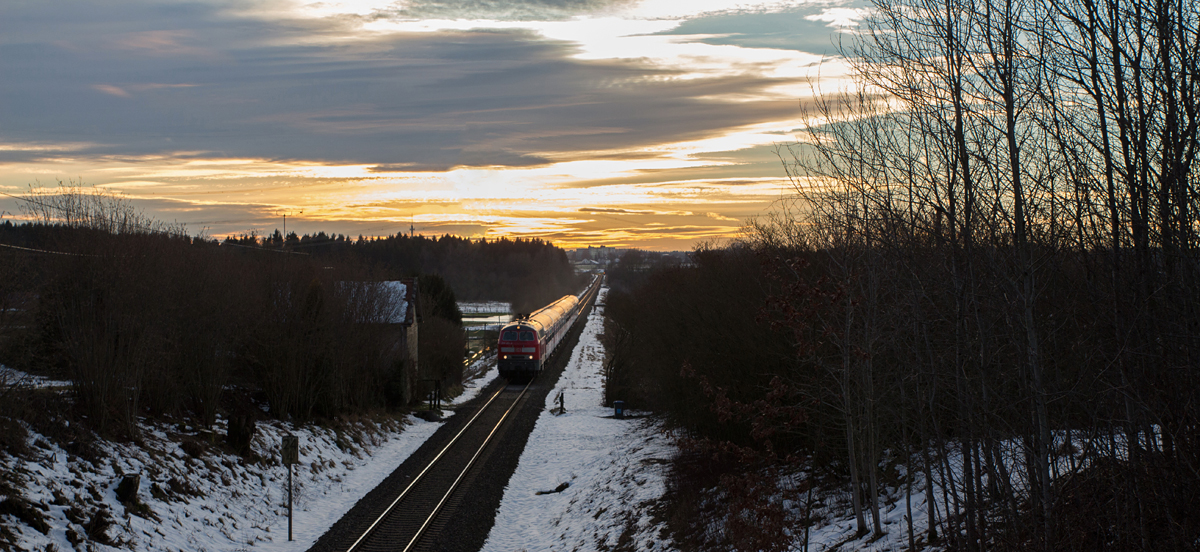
(47, 251)
(32, 250)
(22, 198)
(223, 244)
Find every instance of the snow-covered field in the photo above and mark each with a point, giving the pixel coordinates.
(613, 469)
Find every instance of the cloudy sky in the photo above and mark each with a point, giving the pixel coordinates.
(646, 123)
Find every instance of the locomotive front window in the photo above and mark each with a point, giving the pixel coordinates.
(527, 336)
(510, 335)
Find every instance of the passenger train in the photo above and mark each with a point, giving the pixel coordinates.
(528, 342)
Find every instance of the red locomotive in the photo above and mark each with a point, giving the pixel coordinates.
(529, 341)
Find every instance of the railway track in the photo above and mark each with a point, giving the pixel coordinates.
(414, 514)
(444, 497)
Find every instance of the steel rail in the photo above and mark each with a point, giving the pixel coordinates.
(466, 469)
(588, 297)
(412, 483)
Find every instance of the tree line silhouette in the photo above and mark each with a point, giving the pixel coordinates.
(143, 319)
(528, 273)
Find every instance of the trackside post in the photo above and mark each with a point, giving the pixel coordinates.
(290, 450)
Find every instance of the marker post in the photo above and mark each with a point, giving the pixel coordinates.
(291, 455)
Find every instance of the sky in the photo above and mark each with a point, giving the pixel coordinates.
(624, 123)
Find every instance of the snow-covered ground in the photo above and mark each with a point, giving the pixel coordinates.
(835, 526)
(13, 377)
(613, 468)
(212, 500)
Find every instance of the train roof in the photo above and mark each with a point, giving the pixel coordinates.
(544, 317)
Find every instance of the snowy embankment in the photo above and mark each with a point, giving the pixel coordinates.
(835, 527)
(198, 497)
(613, 469)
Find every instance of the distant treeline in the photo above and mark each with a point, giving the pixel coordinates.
(529, 273)
(143, 319)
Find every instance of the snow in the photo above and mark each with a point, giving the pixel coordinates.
(232, 504)
(472, 388)
(836, 528)
(224, 503)
(394, 308)
(14, 377)
(484, 307)
(399, 306)
(614, 468)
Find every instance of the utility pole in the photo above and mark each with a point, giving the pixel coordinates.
(285, 233)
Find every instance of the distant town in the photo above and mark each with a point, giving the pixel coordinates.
(604, 257)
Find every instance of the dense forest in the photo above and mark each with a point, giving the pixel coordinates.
(143, 319)
(529, 273)
(988, 277)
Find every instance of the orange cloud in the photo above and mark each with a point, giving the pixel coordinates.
(111, 90)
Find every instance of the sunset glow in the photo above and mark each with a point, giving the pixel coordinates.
(621, 123)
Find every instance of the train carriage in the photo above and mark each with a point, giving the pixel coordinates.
(526, 343)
